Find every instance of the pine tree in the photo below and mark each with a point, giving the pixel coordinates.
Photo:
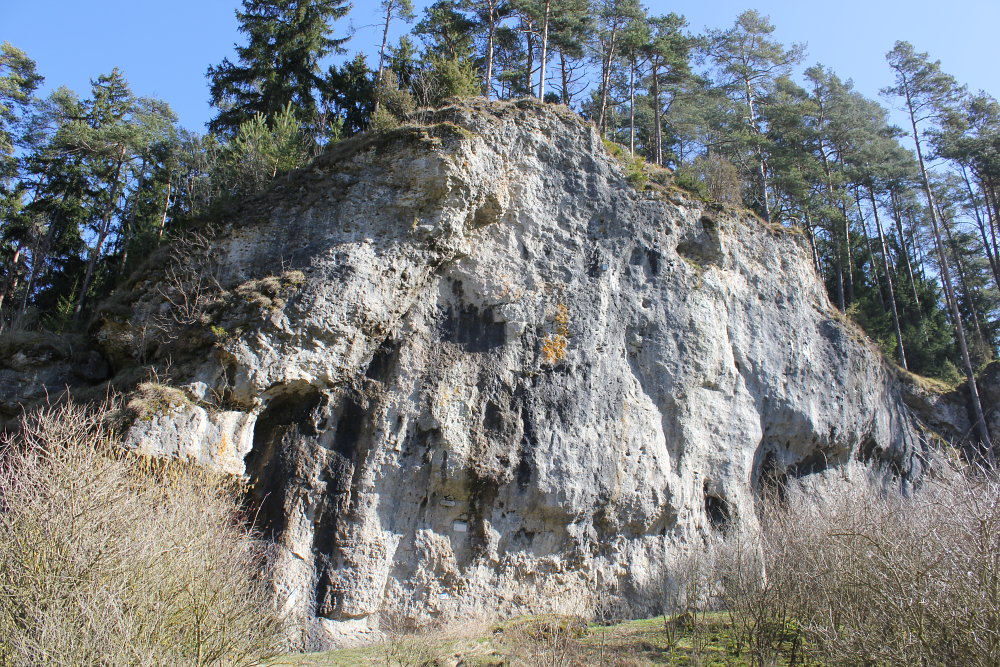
(446, 30)
(568, 34)
(280, 65)
(392, 9)
(18, 82)
(926, 91)
(59, 201)
(613, 19)
(750, 62)
(115, 136)
(668, 51)
(488, 15)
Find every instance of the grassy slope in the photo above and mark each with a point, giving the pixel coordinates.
(708, 639)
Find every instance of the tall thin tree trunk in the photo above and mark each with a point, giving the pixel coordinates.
(166, 208)
(970, 376)
(102, 235)
(658, 130)
(564, 77)
(879, 291)
(529, 42)
(545, 52)
(631, 106)
(11, 283)
(381, 56)
(812, 244)
(991, 220)
(761, 165)
(839, 242)
(888, 277)
(490, 38)
(606, 62)
(897, 218)
(962, 277)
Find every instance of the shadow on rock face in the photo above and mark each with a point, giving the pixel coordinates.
(280, 428)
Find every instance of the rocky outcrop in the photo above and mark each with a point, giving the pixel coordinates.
(502, 379)
(38, 366)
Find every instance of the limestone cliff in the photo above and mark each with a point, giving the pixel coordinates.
(469, 369)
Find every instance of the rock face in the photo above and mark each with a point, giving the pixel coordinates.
(507, 381)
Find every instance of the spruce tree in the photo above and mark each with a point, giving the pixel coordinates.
(280, 64)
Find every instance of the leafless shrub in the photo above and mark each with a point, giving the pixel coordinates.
(757, 602)
(687, 593)
(113, 559)
(884, 578)
(719, 177)
(543, 641)
(190, 287)
(406, 644)
(610, 608)
(866, 576)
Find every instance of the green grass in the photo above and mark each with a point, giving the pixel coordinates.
(706, 639)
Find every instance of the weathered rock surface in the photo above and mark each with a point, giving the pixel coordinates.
(35, 366)
(509, 382)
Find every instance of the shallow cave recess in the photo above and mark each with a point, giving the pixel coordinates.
(287, 419)
(717, 509)
(294, 445)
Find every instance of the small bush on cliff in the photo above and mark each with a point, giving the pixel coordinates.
(110, 559)
(152, 399)
(635, 166)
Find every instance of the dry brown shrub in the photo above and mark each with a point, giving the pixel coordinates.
(543, 641)
(886, 578)
(108, 558)
(406, 643)
(151, 399)
(864, 575)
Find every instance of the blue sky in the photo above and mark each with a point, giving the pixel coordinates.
(164, 48)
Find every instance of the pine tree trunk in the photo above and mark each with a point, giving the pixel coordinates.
(991, 223)
(545, 53)
(879, 289)
(564, 77)
(888, 278)
(838, 236)
(631, 106)
(897, 218)
(970, 376)
(812, 244)
(490, 38)
(529, 42)
(381, 57)
(962, 277)
(606, 80)
(761, 165)
(657, 113)
(11, 283)
(166, 208)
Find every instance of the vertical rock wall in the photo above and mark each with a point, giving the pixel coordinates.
(510, 382)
